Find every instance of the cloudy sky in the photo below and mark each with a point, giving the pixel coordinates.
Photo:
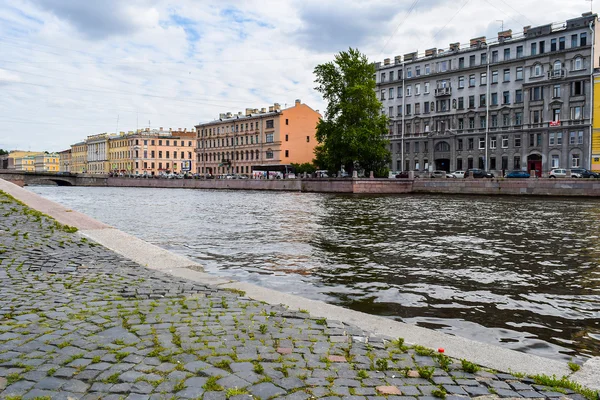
(71, 68)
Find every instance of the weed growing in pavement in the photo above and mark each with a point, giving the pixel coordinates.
(573, 366)
(425, 372)
(211, 384)
(564, 383)
(469, 366)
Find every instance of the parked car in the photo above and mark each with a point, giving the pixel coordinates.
(402, 175)
(584, 173)
(457, 174)
(438, 174)
(562, 173)
(518, 174)
(478, 173)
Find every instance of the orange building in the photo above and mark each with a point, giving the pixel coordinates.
(258, 140)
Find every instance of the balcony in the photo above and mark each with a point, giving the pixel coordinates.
(443, 91)
(556, 74)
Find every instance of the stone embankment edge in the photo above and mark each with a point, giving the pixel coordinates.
(151, 256)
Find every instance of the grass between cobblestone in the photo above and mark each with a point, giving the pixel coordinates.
(80, 321)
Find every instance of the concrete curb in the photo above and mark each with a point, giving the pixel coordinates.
(151, 256)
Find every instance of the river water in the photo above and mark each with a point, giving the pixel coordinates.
(523, 273)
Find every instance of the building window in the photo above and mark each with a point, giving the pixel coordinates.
(555, 163)
(390, 113)
(481, 143)
(505, 119)
(519, 51)
(426, 87)
(537, 70)
(575, 161)
(482, 122)
(391, 94)
(459, 145)
(269, 154)
(495, 56)
(517, 140)
(578, 64)
(382, 94)
(287, 153)
(572, 136)
(408, 109)
(576, 112)
(461, 103)
(471, 80)
(408, 90)
(556, 92)
(493, 143)
(583, 39)
(551, 139)
(537, 93)
(269, 138)
(471, 101)
(533, 49)
(286, 138)
(507, 75)
(506, 97)
(518, 96)
(505, 141)
(461, 82)
(472, 61)
(580, 137)
(270, 124)
(399, 109)
(494, 100)
(519, 74)
(470, 144)
(417, 71)
(536, 116)
(542, 47)
(461, 124)
(482, 100)
(553, 45)
(483, 78)
(461, 62)
(559, 138)
(471, 122)
(494, 76)
(506, 54)
(556, 114)
(417, 89)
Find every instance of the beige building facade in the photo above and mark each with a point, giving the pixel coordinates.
(257, 140)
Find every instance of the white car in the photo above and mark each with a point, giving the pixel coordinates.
(457, 174)
(562, 173)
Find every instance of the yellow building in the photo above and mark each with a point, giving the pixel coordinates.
(119, 153)
(78, 158)
(47, 162)
(25, 163)
(596, 126)
(65, 160)
(16, 154)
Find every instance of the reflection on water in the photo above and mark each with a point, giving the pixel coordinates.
(519, 272)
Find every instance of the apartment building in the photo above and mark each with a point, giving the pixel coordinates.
(156, 152)
(97, 154)
(257, 140)
(520, 102)
(48, 162)
(78, 158)
(25, 163)
(596, 123)
(64, 160)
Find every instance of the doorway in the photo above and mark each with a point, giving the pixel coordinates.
(534, 162)
(442, 164)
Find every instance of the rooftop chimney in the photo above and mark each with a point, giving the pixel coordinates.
(398, 60)
(526, 28)
(478, 41)
(271, 108)
(277, 107)
(263, 110)
(455, 46)
(161, 128)
(502, 36)
(386, 61)
(298, 102)
(430, 52)
(248, 111)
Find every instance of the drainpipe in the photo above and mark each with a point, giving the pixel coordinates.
(593, 38)
(403, 112)
(487, 108)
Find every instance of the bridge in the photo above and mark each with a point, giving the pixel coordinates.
(24, 178)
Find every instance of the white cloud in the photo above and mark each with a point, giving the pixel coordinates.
(71, 68)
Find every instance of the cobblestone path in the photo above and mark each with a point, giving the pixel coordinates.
(79, 321)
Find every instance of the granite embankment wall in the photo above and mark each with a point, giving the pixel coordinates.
(516, 187)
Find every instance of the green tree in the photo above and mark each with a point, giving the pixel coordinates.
(309, 168)
(3, 152)
(351, 134)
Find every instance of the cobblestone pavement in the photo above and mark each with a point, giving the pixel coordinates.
(79, 321)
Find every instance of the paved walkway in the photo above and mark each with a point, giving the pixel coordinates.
(79, 321)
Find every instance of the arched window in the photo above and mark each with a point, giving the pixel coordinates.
(577, 63)
(269, 154)
(257, 155)
(557, 66)
(537, 70)
(442, 146)
(246, 154)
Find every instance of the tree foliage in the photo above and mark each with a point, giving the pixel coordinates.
(351, 134)
(309, 168)
(3, 152)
